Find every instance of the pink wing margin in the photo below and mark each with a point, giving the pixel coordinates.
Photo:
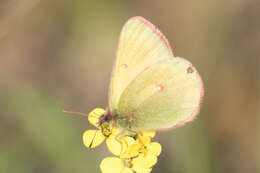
(154, 29)
(196, 110)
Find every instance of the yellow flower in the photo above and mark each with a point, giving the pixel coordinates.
(143, 147)
(139, 155)
(93, 138)
(126, 165)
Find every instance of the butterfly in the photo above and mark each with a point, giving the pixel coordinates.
(150, 88)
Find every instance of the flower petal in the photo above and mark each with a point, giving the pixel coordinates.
(145, 140)
(111, 165)
(94, 116)
(131, 151)
(144, 161)
(141, 170)
(115, 131)
(154, 148)
(93, 138)
(114, 145)
(126, 170)
(127, 141)
(149, 133)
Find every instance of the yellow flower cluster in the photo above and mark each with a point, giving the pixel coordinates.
(135, 152)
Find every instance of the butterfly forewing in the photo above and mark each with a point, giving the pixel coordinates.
(165, 95)
(140, 45)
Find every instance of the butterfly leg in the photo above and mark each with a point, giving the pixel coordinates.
(139, 136)
(117, 138)
(131, 116)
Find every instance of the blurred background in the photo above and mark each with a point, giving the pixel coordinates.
(58, 54)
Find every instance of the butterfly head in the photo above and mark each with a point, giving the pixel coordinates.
(105, 118)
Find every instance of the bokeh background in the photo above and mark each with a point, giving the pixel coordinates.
(58, 54)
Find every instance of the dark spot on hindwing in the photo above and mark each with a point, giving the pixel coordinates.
(190, 70)
(124, 66)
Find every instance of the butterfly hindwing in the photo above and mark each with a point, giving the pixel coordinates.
(166, 94)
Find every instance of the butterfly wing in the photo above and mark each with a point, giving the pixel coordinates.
(165, 95)
(140, 45)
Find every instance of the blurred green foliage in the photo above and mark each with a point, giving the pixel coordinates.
(59, 54)
(38, 137)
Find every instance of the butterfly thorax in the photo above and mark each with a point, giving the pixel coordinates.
(108, 119)
(114, 120)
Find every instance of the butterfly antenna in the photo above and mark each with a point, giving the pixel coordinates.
(72, 112)
(91, 143)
